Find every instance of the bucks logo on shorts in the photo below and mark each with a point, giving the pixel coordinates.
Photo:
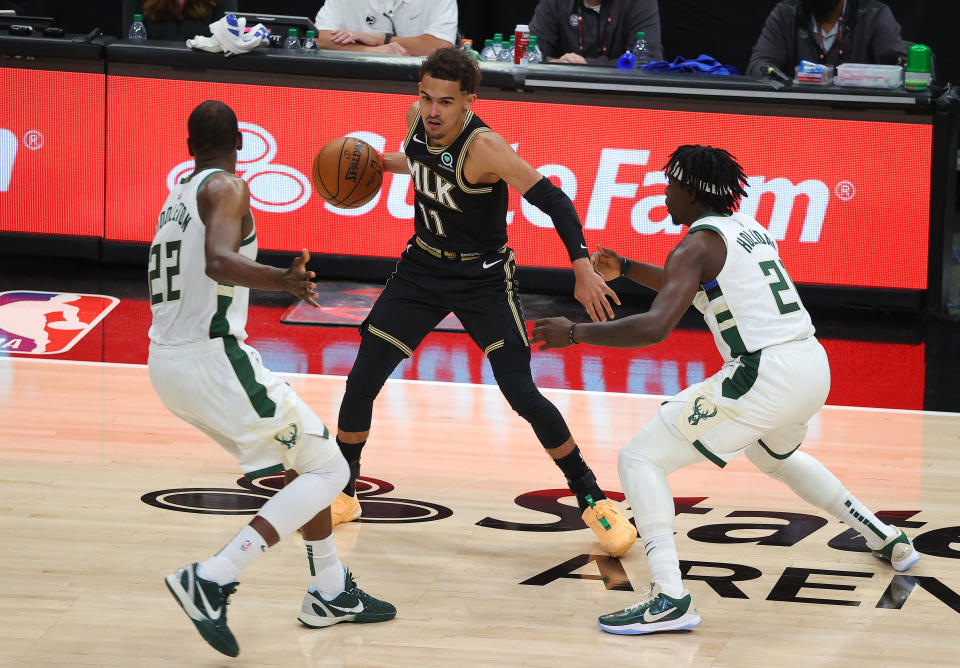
(288, 436)
(700, 408)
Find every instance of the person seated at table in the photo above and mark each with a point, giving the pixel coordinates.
(828, 32)
(176, 19)
(595, 32)
(408, 27)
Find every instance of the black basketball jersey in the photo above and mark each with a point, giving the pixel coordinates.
(450, 213)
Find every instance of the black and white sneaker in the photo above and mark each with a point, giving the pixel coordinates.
(205, 602)
(351, 605)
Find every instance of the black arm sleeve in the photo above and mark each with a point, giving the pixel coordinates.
(555, 203)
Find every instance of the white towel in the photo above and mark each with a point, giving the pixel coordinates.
(205, 44)
(229, 35)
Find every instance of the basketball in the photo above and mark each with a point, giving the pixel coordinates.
(347, 172)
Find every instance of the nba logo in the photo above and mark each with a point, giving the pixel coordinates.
(47, 323)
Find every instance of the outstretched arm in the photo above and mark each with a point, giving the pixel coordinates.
(682, 274)
(610, 265)
(224, 203)
(489, 159)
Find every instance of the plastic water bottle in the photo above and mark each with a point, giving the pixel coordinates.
(497, 44)
(310, 42)
(466, 45)
(641, 54)
(506, 54)
(488, 52)
(138, 32)
(534, 55)
(291, 42)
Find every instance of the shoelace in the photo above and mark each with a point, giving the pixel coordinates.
(227, 591)
(644, 600)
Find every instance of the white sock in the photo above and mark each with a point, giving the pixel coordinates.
(225, 566)
(644, 463)
(816, 485)
(664, 564)
(326, 572)
(851, 511)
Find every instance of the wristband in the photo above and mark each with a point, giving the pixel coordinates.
(387, 36)
(570, 333)
(625, 267)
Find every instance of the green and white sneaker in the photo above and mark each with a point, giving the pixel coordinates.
(205, 602)
(655, 612)
(899, 551)
(351, 605)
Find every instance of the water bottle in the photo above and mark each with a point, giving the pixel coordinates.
(291, 42)
(506, 54)
(138, 32)
(466, 45)
(917, 75)
(641, 54)
(497, 44)
(310, 43)
(534, 55)
(488, 52)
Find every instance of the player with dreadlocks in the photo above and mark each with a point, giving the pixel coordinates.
(775, 377)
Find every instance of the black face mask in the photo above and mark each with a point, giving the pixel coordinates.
(819, 7)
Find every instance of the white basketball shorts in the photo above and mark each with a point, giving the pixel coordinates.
(766, 397)
(221, 387)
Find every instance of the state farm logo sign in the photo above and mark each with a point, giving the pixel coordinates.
(8, 153)
(273, 188)
(607, 186)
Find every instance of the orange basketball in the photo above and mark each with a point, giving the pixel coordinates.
(347, 172)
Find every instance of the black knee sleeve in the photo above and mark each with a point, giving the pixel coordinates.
(524, 397)
(375, 361)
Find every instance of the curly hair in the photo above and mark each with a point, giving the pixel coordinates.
(714, 176)
(452, 64)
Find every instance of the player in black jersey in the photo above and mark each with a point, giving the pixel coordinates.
(459, 261)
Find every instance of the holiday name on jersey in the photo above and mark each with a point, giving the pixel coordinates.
(748, 239)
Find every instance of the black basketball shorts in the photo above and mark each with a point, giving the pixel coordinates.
(481, 291)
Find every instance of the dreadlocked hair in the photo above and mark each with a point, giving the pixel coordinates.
(714, 176)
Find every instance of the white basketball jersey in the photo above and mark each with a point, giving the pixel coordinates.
(189, 306)
(752, 304)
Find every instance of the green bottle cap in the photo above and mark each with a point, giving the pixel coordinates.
(138, 17)
(533, 41)
(641, 35)
(310, 33)
(292, 32)
(498, 37)
(918, 58)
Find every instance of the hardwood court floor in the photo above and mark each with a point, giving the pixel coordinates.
(82, 556)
